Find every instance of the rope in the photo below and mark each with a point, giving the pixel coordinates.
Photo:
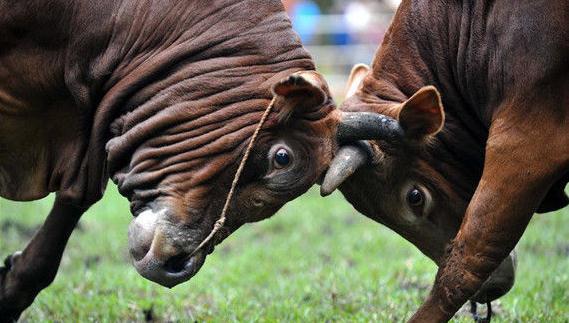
(221, 221)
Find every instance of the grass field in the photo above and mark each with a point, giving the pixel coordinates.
(317, 260)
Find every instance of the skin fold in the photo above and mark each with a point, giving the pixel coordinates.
(162, 97)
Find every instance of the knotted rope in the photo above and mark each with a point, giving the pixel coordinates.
(221, 221)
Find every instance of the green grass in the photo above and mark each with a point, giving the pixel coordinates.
(317, 260)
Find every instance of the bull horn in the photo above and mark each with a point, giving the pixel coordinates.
(368, 126)
(344, 164)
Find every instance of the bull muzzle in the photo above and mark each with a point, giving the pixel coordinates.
(161, 251)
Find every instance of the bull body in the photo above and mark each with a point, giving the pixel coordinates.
(161, 96)
(462, 182)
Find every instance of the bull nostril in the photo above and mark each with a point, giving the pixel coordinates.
(141, 233)
(139, 251)
(177, 263)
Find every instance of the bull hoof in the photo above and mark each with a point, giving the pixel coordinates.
(7, 316)
(8, 313)
(11, 260)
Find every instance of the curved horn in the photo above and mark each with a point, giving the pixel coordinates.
(368, 126)
(344, 164)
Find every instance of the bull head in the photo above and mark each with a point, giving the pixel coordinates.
(419, 116)
(178, 181)
(385, 169)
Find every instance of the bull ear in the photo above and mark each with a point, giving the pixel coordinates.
(356, 78)
(422, 115)
(301, 92)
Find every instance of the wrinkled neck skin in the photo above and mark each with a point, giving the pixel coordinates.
(135, 70)
(414, 55)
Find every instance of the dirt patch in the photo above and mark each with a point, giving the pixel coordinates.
(226, 250)
(21, 230)
(563, 250)
(325, 258)
(327, 229)
(350, 219)
(497, 310)
(413, 285)
(92, 261)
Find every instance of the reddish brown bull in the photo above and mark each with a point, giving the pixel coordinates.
(163, 97)
(460, 182)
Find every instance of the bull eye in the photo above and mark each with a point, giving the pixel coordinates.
(257, 202)
(415, 197)
(282, 158)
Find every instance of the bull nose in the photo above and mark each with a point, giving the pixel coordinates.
(141, 233)
(156, 257)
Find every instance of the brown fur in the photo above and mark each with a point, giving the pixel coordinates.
(162, 96)
(501, 69)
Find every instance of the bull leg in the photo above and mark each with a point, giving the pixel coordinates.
(520, 167)
(25, 274)
(556, 198)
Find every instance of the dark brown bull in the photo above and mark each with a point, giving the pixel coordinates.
(163, 97)
(461, 183)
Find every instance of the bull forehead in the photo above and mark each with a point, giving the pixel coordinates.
(427, 161)
(216, 68)
(228, 33)
(136, 60)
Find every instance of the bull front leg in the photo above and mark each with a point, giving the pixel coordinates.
(521, 164)
(26, 273)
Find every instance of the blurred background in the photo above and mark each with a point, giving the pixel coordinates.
(317, 260)
(340, 33)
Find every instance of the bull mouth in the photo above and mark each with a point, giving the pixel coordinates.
(169, 253)
(164, 252)
(174, 271)
(177, 269)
